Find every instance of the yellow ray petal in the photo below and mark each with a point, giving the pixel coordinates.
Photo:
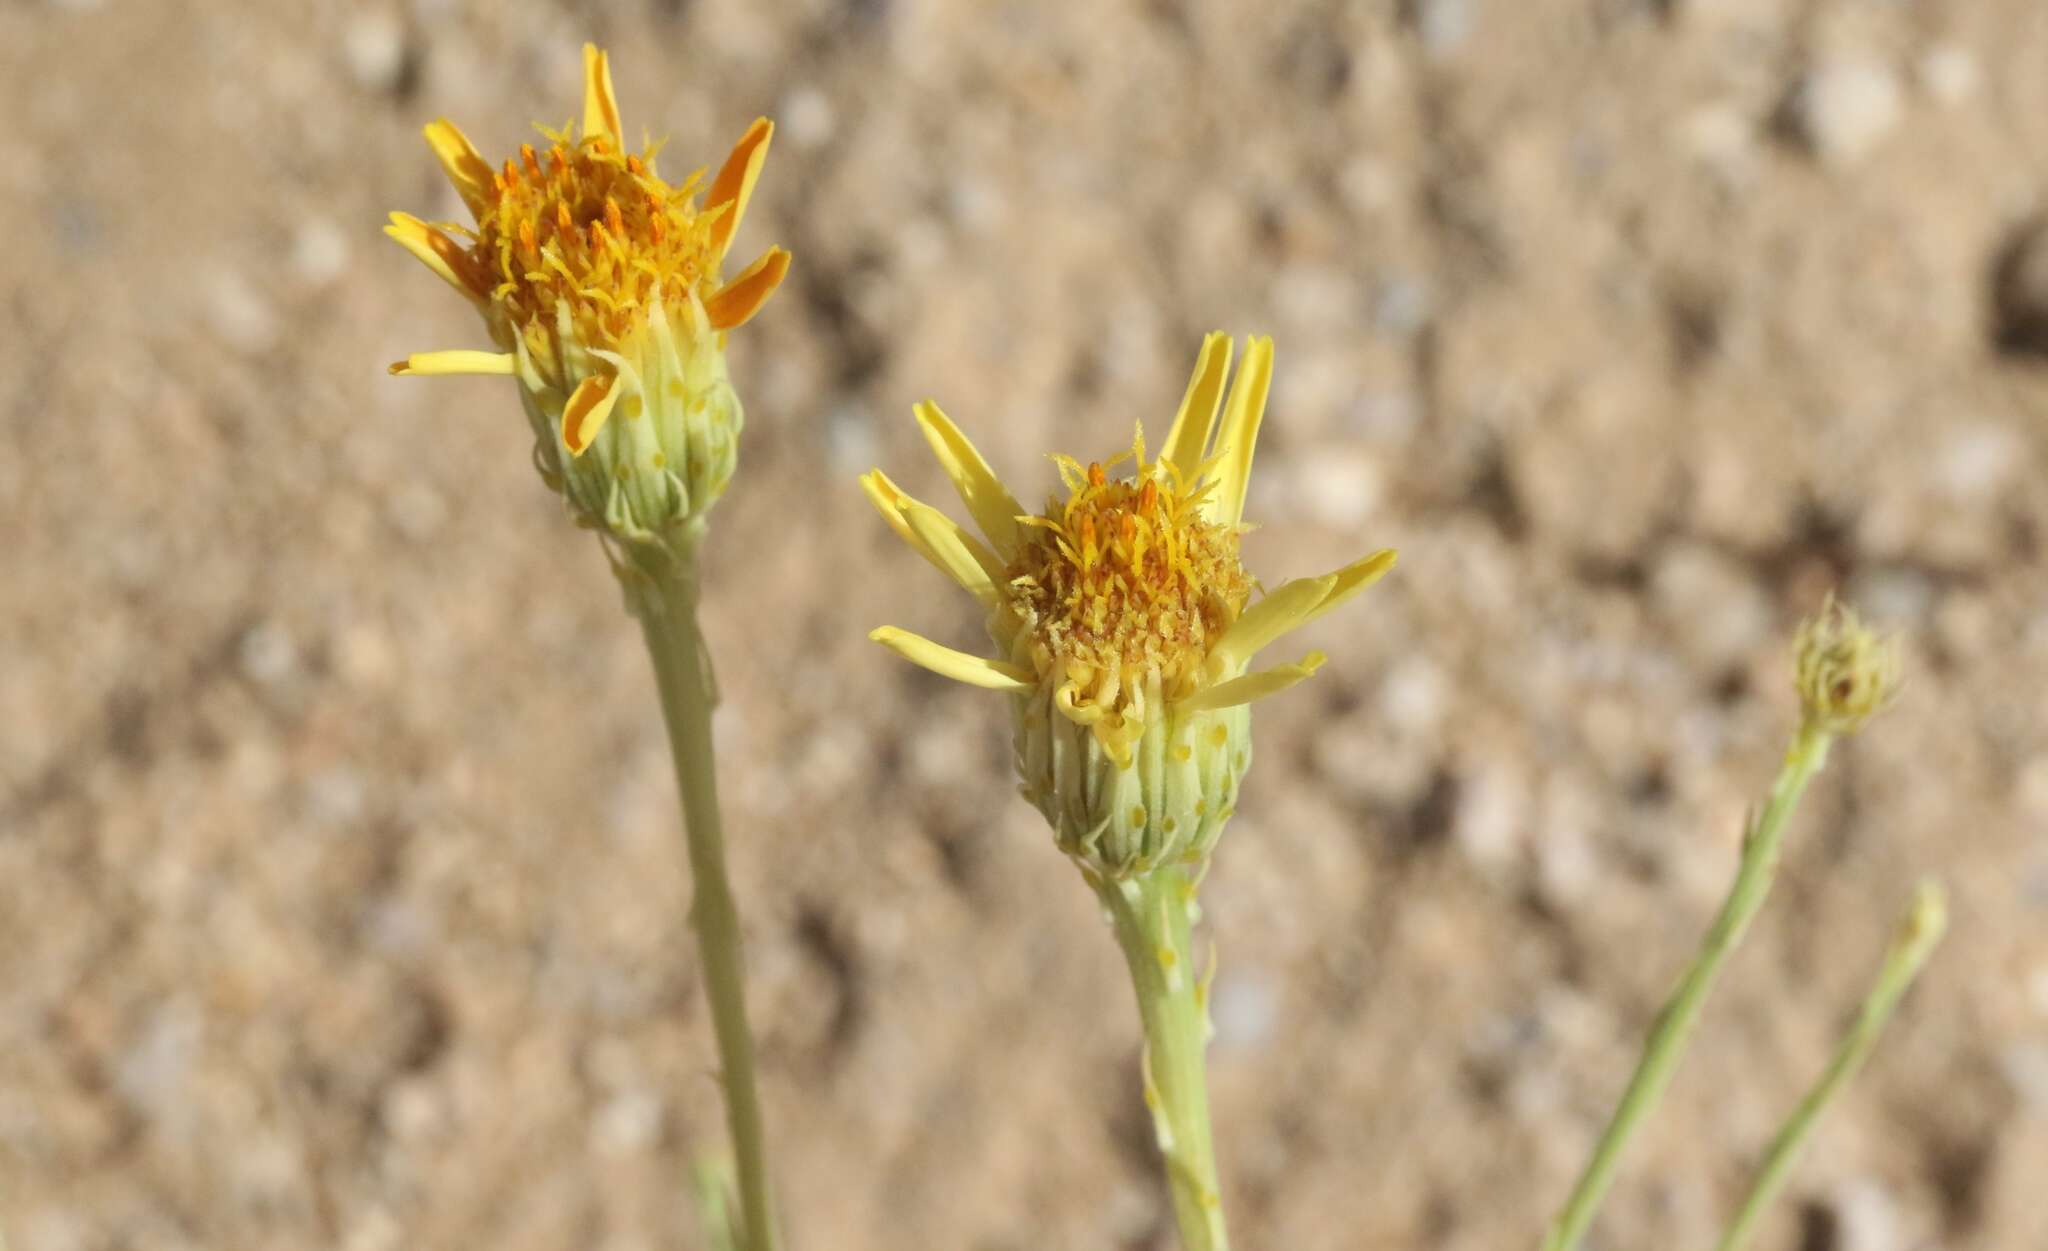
(888, 499)
(934, 536)
(589, 407)
(1352, 579)
(600, 105)
(958, 554)
(463, 165)
(979, 671)
(732, 304)
(735, 182)
(1294, 605)
(1251, 686)
(988, 501)
(436, 251)
(1239, 433)
(1189, 437)
(1273, 616)
(456, 361)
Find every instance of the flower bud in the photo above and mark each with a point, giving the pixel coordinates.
(1844, 672)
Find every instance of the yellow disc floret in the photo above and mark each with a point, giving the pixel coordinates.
(592, 232)
(1126, 578)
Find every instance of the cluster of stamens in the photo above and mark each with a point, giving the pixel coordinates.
(1126, 576)
(587, 227)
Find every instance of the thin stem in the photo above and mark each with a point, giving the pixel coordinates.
(1760, 847)
(1153, 914)
(1918, 934)
(664, 597)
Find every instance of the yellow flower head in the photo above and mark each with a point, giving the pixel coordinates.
(1844, 672)
(600, 283)
(1124, 620)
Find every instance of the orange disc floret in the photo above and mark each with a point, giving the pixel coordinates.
(592, 231)
(1127, 576)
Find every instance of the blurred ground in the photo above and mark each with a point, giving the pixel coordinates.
(341, 896)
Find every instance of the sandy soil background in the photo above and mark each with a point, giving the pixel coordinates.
(341, 891)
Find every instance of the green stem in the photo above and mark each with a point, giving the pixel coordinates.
(1153, 914)
(664, 597)
(1760, 846)
(1918, 934)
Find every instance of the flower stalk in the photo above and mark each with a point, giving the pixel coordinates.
(662, 593)
(1761, 846)
(601, 284)
(1125, 629)
(1153, 916)
(1844, 674)
(1919, 932)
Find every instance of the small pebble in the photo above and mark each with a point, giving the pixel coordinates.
(1845, 108)
(1245, 1008)
(1866, 1217)
(1977, 460)
(1413, 695)
(629, 1123)
(1491, 820)
(1949, 74)
(806, 117)
(239, 313)
(1445, 25)
(319, 252)
(1402, 306)
(1336, 490)
(374, 46)
(2025, 1066)
(267, 654)
(1721, 137)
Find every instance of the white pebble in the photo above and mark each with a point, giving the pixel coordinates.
(1445, 25)
(1244, 1010)
(1339, 491)
(267, 654)
(239, 313)
(1491, 821)
(1412, 696)
(2026, 1070)
(374, 46)
(1721, 137)
(807, 117)
(1949, 74)
(1847, 107)
(319, 252)
(1977, 460)
(1866, 1217)
(628, 1124)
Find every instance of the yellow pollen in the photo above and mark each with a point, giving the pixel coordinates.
(1127, 578)
(594, 231)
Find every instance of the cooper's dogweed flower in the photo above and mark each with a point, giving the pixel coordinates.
(600, 283)
(1124, 623)
(1125, 629)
